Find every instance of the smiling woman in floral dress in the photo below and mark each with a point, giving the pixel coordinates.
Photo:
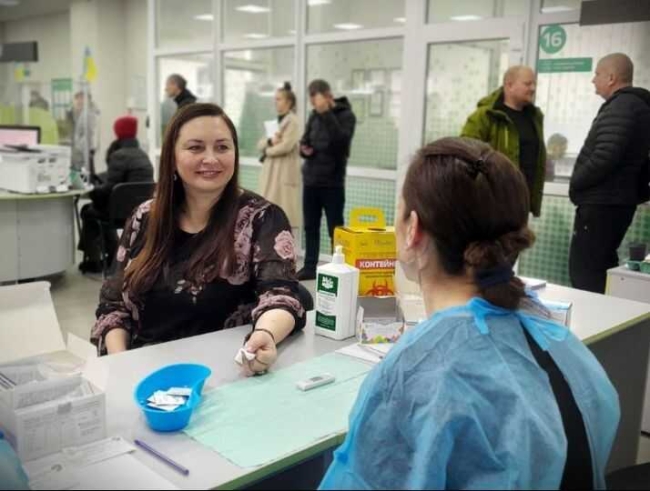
(203, 255)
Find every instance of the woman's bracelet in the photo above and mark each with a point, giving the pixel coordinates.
(267, 332)
(260, 330)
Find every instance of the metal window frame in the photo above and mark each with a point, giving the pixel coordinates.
(417, 35)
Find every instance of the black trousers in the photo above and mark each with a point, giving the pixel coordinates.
(314, 201)
(90, 237)
(597, 234)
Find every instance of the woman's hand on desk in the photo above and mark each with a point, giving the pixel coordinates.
(270, 330)
(263, 345)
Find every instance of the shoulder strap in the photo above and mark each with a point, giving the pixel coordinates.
(578, 472)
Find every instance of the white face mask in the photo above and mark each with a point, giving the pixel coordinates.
(407, 257)
(409, 264)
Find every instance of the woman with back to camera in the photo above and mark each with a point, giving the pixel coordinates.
(203, 255)
(482, 395)
(280, 178)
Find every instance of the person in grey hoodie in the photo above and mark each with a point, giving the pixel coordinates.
(610, 177)
(325, 147)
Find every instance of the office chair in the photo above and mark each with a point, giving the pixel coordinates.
(124, 198)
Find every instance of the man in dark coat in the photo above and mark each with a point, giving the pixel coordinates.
(325, 147)
(610, 177)
(176, 89)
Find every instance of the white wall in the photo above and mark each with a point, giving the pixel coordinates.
(136, 61)
(116, 33)
(111, 66)
(52, 34)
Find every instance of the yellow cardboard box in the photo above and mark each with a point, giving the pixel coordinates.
(370, 247)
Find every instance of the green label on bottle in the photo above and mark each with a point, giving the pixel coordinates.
(327, 292)
(326, 321)
(328, 284)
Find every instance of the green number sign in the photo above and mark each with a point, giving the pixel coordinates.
(553, 39)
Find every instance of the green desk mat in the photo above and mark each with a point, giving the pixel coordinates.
(259, 420)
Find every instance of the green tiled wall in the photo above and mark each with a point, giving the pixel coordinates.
(359, 192)
(363, 192)
(249, 177)
(549, 257)
(256, 110)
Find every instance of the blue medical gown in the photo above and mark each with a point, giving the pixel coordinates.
(12, 475)
(460, 403)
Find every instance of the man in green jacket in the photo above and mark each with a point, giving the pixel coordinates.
(510, 122)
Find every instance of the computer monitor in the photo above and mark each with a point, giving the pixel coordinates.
(19, 135)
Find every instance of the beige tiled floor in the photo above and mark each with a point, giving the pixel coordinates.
(75, 299)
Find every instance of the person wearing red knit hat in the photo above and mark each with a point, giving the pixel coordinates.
(125, 162)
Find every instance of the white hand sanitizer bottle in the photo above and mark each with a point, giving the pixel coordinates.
(337, 289)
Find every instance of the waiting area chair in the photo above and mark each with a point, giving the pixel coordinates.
(124, 198)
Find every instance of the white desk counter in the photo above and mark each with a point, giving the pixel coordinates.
(617, 330)
(37, 234)
(624, 283)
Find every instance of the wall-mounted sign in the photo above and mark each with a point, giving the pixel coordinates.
(553, 39)
(560, 65)
(20, 52)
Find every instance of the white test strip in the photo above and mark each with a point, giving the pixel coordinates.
(180, 391)
(163, 408)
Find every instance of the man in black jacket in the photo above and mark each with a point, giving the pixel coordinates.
(176, 89)
(325, 147)
(610, 177)
(126, 162)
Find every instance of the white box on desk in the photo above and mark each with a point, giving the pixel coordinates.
(47, 166)
(43, 429)
(30, 333)
(379, 321)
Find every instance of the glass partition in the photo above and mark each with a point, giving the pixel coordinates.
(198, 70)
(185, 24)
(352, 15)
(459, 75)
(251, 78)
(473, 10)
(244, 20)
(369, 74)
(568, 55)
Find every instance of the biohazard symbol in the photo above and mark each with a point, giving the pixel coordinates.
(380, 290)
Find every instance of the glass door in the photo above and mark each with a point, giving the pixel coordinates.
(459, 74)
(462, 67)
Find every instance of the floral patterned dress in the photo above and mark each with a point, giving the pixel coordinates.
(175, 308)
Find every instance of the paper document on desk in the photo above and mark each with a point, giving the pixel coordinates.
(260, 420)
(372, 353)
(119, 471)
(98, 451)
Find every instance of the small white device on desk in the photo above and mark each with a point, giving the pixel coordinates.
(315, 382)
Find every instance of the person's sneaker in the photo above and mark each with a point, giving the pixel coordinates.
(306, 274)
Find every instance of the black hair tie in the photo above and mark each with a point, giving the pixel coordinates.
(487, 278)
(479, 166)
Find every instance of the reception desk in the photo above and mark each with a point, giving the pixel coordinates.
(37, 233)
